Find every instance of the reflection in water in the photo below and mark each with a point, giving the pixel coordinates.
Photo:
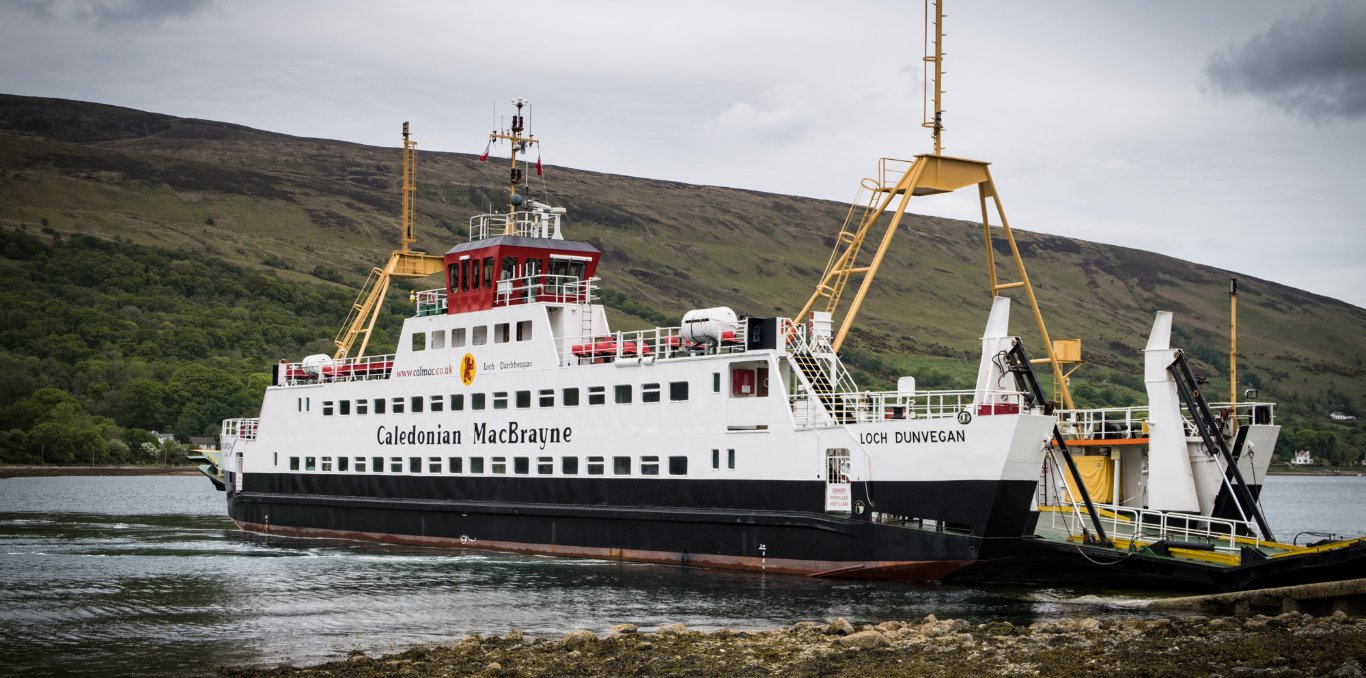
(126, 575)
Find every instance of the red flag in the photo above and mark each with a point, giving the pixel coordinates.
(538, 165)
(485, 156)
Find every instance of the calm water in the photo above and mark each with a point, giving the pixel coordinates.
(146, 576)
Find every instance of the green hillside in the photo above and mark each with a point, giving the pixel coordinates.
(292, 225)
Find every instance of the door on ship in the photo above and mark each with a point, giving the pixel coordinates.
(838, 491)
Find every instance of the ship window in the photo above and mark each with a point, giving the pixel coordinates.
(524, 330)
(569, 466)
(477, 401)
(597, 395)
(343, 464)
(500, 400)
(457, 337)
(678, 391)
(275, 459)
(480, 335)
(509, 266)
(715, 382)
(419, 341)
(546, 397)
(649, 466)
(621, 466)
(488, 270)
(439, 339)
(293, 463)
(570, 397)
(649, 393)
(453, 464)
(730, 459)
(464, 275)
(545, 465)
(379, 406)
(377, 464)
(398, 405)
(436, 403)
(415, 464)
(310, 463)
(499, 466)
(327, 408)
(343, 407)
(521, 465)
(416, 402)
(396, 464)
(500, 333)
(360, 464)
(622, 393)
(300, 403)
(678, 466)
(457, 402)
(327, 464)
(715, 458)
(523, 399)
(595, 466)
(474, 274)
(433, 464)
(362, 406)
(476, 464)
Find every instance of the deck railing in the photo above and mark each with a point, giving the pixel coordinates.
(1143, 527)
(237, 429)
(1115, 423)
(527, 224)
(660, 343)
(810, 410)
(326, 369)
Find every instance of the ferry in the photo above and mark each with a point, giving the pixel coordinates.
(511, 417)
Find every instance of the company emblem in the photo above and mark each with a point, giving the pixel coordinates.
(467, 369)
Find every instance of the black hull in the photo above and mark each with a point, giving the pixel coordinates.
(702, 523)
(1042, 561)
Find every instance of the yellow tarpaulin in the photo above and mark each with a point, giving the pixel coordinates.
(1098, 474)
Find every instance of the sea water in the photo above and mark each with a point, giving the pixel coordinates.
(146, 575)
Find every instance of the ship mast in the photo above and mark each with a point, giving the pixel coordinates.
(890, 193)
(519, 143)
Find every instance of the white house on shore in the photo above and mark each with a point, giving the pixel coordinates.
(1302, 458)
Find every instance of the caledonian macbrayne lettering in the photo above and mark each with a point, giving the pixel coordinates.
(511, 433)
(905, 437)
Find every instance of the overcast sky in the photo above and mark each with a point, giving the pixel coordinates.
(1229, 132)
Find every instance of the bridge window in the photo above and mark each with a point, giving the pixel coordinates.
(474, 274)
(488, 270)
(464, 275)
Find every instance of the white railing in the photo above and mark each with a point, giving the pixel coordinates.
(431, 302)
(1145, 527)
(812, 411)
(235, 429)
(660, 343)
(552, 289)
(362, 368)
(1115, 423)
(527, 224)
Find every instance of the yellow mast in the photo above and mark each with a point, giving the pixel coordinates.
(927, 175)
(403, 263)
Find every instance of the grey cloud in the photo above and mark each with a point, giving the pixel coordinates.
(1312, 65)
(108, 13)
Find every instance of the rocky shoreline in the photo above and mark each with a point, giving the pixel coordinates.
(1291, 644)
(53, 471)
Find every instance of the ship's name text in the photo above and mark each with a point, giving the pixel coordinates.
(514, 434)
(911, 437)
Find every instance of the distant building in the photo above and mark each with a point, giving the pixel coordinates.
(1302, 458)
(163, 437)
(204, 442)
(1342, 416)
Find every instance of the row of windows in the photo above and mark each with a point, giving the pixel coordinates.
(568, 397)
(472, 274)
(503, 333)
(569, 466)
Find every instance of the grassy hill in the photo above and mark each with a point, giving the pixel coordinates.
(320, 213)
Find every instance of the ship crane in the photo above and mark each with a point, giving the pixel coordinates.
(403, 263)
(890, 193)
